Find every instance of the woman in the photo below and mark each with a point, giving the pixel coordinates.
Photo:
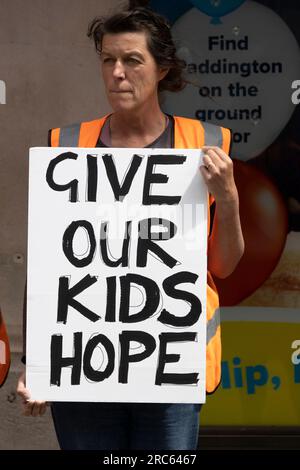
(138, 60)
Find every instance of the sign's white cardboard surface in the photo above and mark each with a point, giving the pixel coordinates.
(113, 318)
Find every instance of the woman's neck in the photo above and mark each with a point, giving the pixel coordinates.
(132, 126)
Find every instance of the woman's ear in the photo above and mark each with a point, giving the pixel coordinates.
(163, 73)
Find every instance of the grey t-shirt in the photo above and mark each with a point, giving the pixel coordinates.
(164, 140)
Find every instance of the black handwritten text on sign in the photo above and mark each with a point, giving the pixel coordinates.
(128, 302)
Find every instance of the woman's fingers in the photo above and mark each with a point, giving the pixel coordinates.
(30, 407)
(217, 151)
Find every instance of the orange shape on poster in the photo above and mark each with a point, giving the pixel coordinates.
(264, 223)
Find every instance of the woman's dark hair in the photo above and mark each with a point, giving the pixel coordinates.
(159, 39)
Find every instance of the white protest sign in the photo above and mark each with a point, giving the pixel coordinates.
(116, 308)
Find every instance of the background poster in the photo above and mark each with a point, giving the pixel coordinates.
(243, 68)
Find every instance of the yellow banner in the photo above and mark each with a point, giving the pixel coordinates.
(260, 375)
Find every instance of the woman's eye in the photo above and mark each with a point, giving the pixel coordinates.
(107, 60)
(133, 60)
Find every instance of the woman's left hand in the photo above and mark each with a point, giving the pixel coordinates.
(217, 171)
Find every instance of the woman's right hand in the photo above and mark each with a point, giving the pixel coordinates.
(30, 407)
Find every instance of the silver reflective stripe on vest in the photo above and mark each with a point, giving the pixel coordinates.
(212, 325)
(69, 136)
(212, 134)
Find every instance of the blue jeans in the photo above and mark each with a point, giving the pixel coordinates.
(112, 426)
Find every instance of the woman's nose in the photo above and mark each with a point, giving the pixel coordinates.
(119, 70)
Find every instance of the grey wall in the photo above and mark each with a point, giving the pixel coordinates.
(52, 78)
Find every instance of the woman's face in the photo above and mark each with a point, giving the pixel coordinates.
(130, 73)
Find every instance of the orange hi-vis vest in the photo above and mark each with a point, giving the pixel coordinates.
(188, 134)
